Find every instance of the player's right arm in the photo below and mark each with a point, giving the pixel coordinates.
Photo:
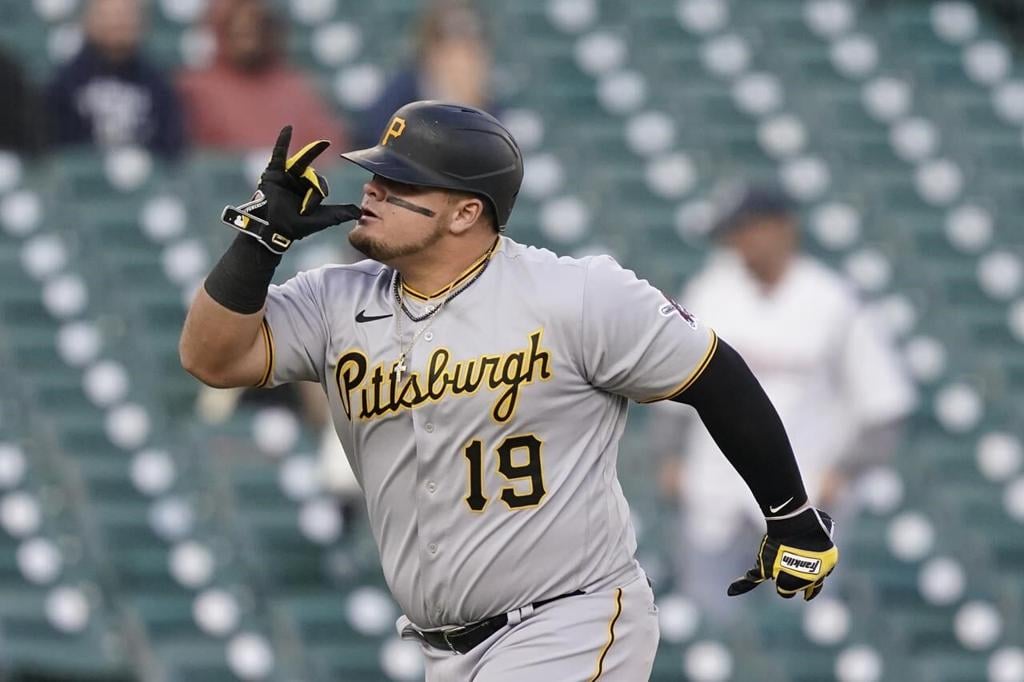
(227, 340)
(223, 348)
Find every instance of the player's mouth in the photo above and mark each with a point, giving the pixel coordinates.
(367, 216)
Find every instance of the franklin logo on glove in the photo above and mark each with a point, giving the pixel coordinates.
(801, 563)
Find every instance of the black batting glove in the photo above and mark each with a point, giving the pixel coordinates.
(288, 203)
(798, 553)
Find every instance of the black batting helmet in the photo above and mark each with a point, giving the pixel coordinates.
(448, 146)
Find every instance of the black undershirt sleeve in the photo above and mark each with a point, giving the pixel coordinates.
(748, 430)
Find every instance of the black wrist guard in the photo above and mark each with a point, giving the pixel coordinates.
(240, 279)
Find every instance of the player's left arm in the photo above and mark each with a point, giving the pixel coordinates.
(797, 549)
(638, 343)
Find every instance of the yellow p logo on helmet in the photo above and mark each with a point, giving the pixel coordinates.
(395, 130)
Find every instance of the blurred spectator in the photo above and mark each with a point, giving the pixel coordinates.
(452, 62)
(21, 128)
(249, 92)
(110, 94)
(834, 377)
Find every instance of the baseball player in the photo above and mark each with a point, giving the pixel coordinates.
(480, 388)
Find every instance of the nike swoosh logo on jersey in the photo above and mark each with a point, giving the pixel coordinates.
(361, 316)
(779, 508)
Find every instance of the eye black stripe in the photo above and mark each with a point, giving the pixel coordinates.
(409, 206)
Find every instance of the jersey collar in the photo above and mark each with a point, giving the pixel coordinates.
(473, 269)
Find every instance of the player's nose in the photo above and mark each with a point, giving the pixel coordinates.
(374, 189)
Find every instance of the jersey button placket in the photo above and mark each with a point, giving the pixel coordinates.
(431, 506)
(428, 337)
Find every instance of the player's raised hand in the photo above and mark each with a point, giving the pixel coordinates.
(298, 175)
(798, 553)
(289, 202)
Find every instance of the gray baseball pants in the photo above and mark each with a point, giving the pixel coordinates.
(609, 635)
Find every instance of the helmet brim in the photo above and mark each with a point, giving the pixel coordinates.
(385, 163)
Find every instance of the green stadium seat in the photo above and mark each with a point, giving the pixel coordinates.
(82, 172)
(347, 660)
(213, 175)
(290, 559)
(195, 659)
(31, 642)
(319, 614)
(812, 65)
(954, 666)
(165, 613)
(809, 664)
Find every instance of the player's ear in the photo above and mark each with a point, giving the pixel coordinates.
(466, 212)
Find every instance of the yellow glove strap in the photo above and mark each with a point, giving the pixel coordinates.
(308, 153)
(303, 157)
(311, 176)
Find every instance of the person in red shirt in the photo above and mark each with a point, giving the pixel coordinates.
(249, 91)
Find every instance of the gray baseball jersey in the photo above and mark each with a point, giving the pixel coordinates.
(489, 464)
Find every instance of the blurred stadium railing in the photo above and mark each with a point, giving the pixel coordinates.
(137, 543)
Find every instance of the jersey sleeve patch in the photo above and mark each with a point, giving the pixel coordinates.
(673, 307)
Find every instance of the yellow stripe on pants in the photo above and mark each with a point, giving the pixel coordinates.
(611, 634)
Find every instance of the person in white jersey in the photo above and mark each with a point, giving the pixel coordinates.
(479, 387)
(830, 369)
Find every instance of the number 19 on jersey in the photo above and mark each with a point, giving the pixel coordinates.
(508, 451)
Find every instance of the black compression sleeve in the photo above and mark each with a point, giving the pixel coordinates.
(746, 427)
(240, 278)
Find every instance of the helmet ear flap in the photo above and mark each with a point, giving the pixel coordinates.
(492, 217)
(511, 204)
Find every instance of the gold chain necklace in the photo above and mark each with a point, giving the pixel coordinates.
(431, 314)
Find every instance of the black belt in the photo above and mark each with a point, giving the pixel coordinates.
(463, 639)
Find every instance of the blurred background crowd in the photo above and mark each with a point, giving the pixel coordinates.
(834, 185)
